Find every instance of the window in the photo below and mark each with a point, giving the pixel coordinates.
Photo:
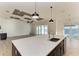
(71, 30)
(42, 29)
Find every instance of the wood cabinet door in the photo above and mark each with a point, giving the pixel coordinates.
(15, 51)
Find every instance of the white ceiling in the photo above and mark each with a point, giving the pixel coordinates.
(43, 8)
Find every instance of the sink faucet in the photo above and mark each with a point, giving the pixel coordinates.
(51, 34)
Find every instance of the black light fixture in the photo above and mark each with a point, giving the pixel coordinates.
(35, 15)
(51, 20)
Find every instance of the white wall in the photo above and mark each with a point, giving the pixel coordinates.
(60, 26)
(14, 27)
(66, 14)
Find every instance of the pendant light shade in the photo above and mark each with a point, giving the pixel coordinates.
(35, 15)
(51, 20)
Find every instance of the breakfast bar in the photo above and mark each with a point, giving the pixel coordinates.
(39, 46)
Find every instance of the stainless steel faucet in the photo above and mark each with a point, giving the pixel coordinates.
(51, 34)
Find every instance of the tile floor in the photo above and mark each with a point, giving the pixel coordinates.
(72, 47)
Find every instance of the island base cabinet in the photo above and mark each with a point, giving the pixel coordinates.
(58, 51)
(15, 51)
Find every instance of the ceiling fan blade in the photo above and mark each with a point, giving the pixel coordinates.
(28, 14)
(27, 18)
(18, 12)
(30, 22)
(40, 19)
(14, 17)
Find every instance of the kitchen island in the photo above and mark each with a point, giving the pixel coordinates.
(38, 46)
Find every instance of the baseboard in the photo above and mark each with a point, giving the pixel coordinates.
(18, 37)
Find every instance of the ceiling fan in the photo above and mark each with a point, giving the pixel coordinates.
(22, 13)
(17, 18)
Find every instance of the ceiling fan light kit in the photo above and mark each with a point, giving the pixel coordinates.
(35, 15)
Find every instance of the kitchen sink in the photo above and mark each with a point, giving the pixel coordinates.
(54, 39)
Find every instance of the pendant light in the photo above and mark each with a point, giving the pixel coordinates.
(35, 15)
(51, 20)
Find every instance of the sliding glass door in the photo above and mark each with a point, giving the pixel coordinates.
(72, 31)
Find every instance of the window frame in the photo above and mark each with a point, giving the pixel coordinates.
(41, 29)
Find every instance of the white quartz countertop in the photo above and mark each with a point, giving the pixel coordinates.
(36, 45)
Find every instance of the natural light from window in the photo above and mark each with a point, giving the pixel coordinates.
(42, 29)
